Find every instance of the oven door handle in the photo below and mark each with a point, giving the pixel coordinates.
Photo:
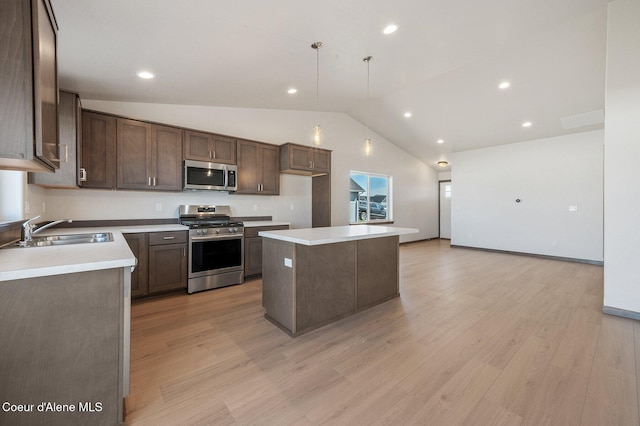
(220, 237)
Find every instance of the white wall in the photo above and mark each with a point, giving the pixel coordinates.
(415, 188)
(11, 195)
(548, 176)
(622, 156)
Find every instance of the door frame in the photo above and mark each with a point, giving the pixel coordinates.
(439, 183)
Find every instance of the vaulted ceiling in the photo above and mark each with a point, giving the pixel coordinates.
(443, 64)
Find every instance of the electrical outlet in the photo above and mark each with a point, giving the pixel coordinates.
(27, 207)
(573, 208)
(158, 207)
(255, 207)
(44, 207)
(291, 206)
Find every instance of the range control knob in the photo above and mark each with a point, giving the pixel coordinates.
(205, 231)
(217, 231)
(199, 232)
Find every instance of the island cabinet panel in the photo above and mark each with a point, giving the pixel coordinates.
(377, 271)
(98, 158)
(278, 298)
(325, 290)
(62, 342)
(210, 147)
(307, 286)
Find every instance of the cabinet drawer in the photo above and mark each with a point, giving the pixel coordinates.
(250, 232)
(172, 237)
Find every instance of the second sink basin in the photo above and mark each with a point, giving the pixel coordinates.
(61, 240)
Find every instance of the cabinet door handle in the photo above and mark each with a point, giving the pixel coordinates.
(154, 181)
(210, 154)
(66, 153)
(83, 175)
(184, 252)
(149, 181)
(168, 238)
(214, 153)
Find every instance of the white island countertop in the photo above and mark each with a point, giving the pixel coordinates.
(335, 234)
(29, 262)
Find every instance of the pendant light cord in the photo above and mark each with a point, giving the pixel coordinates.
(368, 61)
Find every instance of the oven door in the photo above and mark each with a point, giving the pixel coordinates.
(215, 255)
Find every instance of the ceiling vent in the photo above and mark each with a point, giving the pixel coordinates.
(585, 119)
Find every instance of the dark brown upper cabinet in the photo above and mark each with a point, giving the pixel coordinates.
(304, 160)
(149, 156)
(209, 147)
(70, 124)
(28, 86)
(258, 168)
(97, 161)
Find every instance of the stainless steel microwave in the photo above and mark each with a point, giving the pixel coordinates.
(210, 176)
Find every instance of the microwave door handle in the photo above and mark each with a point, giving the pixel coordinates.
(226, 177)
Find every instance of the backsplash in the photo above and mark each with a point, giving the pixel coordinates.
(293, 205)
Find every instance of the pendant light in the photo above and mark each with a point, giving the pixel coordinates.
(367, 141)
(317, 130)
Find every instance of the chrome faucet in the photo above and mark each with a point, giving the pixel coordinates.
(29, 228)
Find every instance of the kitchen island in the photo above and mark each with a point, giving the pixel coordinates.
(312, 277)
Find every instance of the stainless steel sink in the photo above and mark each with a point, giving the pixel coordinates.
(63, 240)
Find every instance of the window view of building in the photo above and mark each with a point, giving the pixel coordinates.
(369, 198)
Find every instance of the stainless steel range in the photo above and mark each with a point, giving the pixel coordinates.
(216, 247)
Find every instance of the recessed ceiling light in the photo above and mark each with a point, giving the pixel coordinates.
(440, 141)
(504, 85)
(391, 28)
(292, 91)
(408, 114)
(145, 74)
(526, 124)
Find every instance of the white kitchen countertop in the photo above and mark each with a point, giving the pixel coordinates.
(335, 234)
(257, 223)
(30, 262)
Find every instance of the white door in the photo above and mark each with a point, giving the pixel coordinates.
(445, 210)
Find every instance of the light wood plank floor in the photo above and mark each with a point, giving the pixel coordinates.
(476, 338)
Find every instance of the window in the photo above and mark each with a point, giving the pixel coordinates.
(447, 191)
(369, 198)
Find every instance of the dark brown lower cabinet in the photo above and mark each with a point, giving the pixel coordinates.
(167, 267)
(139, 276)
(253, 248)
(162, 262)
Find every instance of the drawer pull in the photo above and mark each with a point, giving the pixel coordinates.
(169, 238)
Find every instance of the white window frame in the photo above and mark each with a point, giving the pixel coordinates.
(389, 218)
